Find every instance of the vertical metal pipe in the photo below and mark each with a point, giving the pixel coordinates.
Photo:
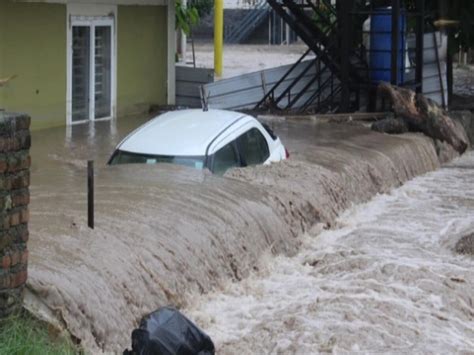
(273, 27)
(192, 46)
(395, 41)
(90, 193)
(182, 38)
(171, 52)
(440, 73)
(218, 35)
(332, 89)
(344, 14)
(319, 81)
(281, 30)
(449, 70)
(420, 29)
(270, 29)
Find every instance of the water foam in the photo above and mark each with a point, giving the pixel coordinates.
(386, 279)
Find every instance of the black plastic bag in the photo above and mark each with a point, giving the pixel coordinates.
(168, 332)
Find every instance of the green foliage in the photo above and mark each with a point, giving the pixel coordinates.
(203, 7)
(186, 16)
(23, 335)
(326, 19)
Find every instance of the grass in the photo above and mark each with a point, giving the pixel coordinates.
(24, 335)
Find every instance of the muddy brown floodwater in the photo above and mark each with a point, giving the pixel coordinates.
(165, 234)
(387, 279)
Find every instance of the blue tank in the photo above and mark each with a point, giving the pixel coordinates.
(381, 46)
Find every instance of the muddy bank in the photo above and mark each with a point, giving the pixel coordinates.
(164, 234)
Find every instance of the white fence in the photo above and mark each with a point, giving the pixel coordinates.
(188, 81)
(245, 91)
(435, 83)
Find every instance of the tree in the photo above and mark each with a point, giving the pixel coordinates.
(186, 16)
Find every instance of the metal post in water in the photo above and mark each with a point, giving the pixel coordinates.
(90, 194)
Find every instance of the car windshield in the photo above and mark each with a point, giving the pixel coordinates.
(122, 157)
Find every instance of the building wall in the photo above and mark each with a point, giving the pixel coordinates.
(2, 32)
(34, 48)
(142, 58)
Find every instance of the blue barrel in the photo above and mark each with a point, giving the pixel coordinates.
(381, 45)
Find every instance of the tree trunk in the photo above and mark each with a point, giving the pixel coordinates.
(424, 115)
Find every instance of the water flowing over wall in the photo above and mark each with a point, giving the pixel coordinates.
(165, 233)
(386, 279)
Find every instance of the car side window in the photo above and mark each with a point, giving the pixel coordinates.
(225, 158)
(253, 147)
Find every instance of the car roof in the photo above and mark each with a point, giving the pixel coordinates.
(182, 133)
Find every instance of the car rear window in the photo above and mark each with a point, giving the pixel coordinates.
(224, 159)
(253, 147)
(269, 131)
(123, 157)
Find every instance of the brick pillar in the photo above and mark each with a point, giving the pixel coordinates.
(15, 141)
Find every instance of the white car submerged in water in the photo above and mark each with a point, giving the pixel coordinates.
(215, 139)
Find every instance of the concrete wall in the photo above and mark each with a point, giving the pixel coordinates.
(34, 47)
(15, 162)
(2, 34)
(142, 58)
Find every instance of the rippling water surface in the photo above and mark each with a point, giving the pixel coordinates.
(165, 234)
(385, 279)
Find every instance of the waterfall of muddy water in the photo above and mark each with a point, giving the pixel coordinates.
(165, 234)
(385, 280)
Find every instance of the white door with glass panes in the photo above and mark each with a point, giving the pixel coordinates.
(91, 69)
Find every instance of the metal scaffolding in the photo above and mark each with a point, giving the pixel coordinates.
(334, 32)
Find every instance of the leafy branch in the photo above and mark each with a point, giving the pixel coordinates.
(186, 16)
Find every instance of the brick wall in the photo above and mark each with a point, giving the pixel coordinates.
(15, 141)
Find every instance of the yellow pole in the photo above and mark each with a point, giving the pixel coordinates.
(218, 35)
